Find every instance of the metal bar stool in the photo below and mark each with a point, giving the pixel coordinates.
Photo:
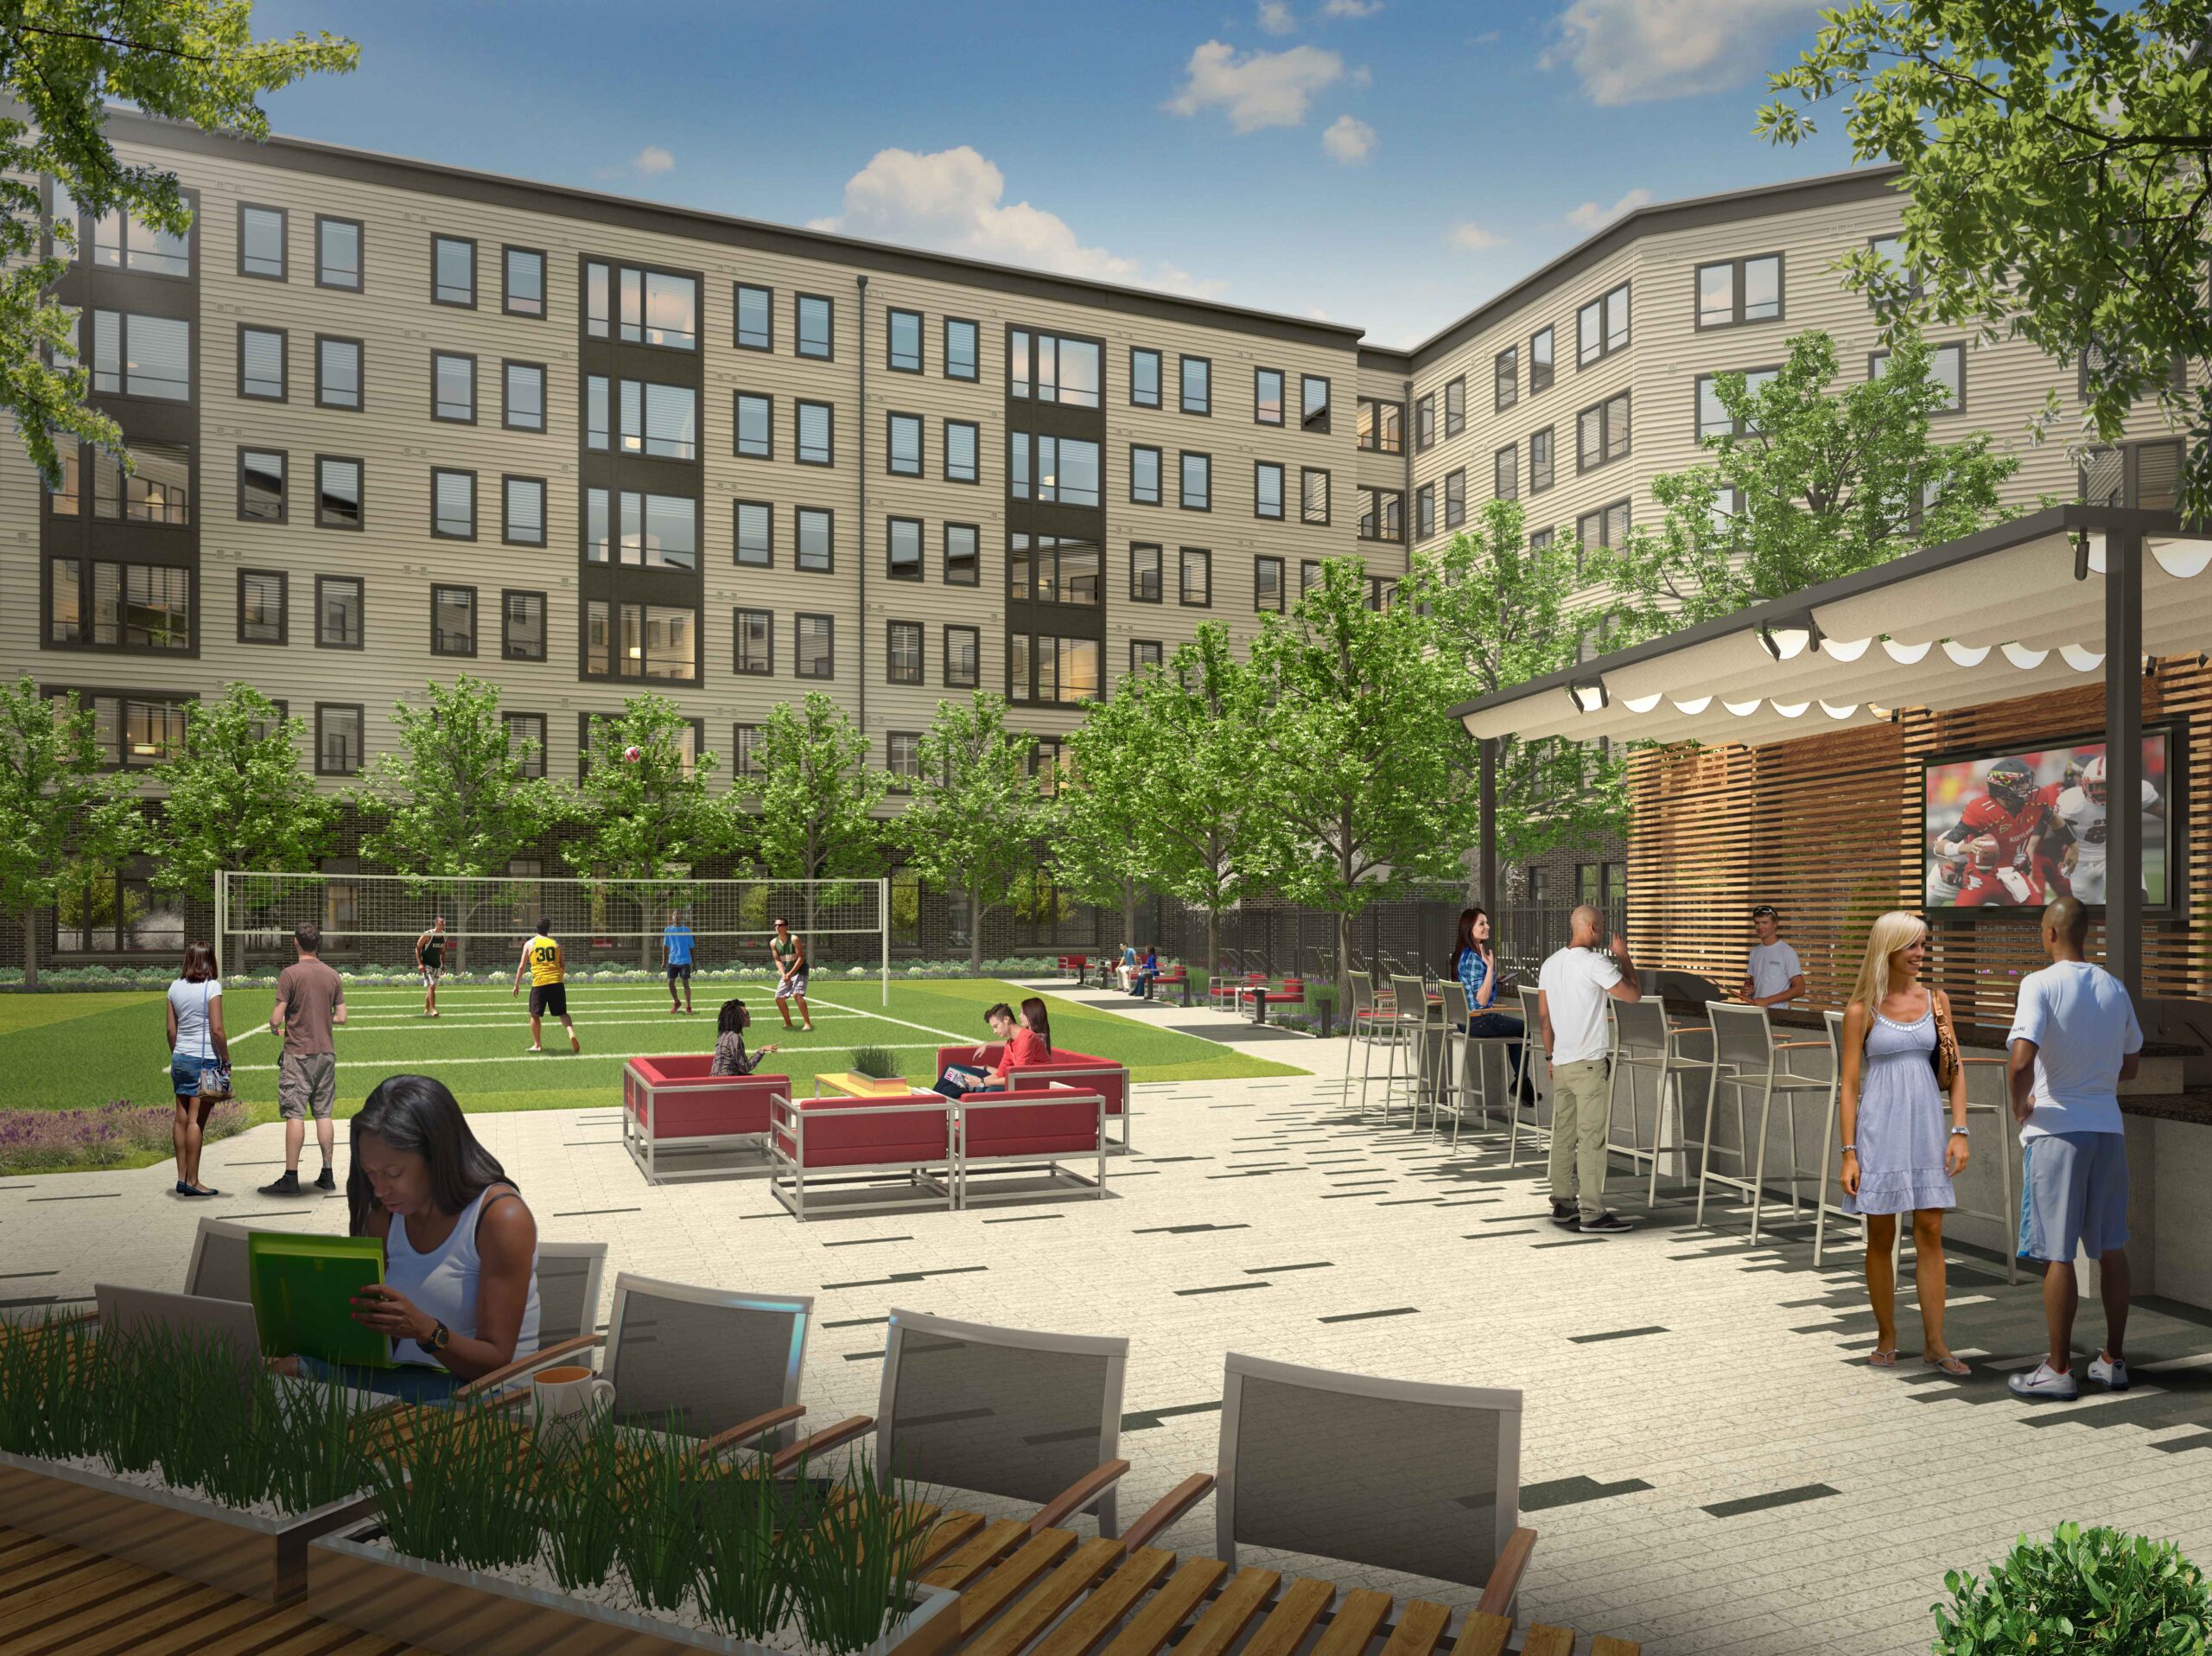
(1410, 1023)
(1538, 1078)
(1475, 1054)
(1452, 1084)
(1643, 1040)
(1359, 1025)
(1743, 1044)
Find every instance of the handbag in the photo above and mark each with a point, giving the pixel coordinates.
(215, 1084)
(1945, 1056)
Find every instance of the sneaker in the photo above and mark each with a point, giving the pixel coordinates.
(2045, 1382)
(326, 1180)
(1565, 1215)
(2110, 1372)
(1606, 1223)
(288, 1185)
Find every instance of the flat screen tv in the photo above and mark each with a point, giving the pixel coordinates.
(2015, 828)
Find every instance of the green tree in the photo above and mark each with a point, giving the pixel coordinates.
(2056, 155)
(650, 819)
(1808, 484)
(1510, 613)
(61, 822)
(1102, 815)
(975, 814)
(237, 796)
(61, 61)
(817, 795)
(1371, 784)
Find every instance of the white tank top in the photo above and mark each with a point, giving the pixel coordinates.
(443, 1284)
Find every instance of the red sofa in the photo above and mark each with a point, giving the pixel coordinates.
(1031, 1127)
(1103, 1075)
(676, 1105)
(824, 1141)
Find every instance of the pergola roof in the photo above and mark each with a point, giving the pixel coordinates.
(2010, 611)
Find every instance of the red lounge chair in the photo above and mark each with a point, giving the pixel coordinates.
(674, 1105)
(1077, 964)
(1032, 1128)
(1226, 995)
(1292, 994)
(826, 1141)
(1175, 977)
(1093, 1075)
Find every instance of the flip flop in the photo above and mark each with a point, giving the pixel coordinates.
(1948, 1364)
(1878, 1359)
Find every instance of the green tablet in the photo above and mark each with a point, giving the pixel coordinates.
(303, 1290)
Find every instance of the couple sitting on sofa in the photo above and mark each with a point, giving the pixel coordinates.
(1027, 1043)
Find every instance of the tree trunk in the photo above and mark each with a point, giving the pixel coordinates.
(1128, 911)
(976, 937)
(1213, 946)
(1344, 958)
(30, 947)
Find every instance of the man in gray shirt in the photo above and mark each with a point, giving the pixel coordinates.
(310, 998)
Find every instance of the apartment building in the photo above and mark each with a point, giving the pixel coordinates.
(394, 421)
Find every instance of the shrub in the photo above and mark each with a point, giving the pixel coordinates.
(40, 1141)
(2087, 1590)
(876, 1061)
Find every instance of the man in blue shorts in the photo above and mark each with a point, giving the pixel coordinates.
(2074, 1039)
(675, 942)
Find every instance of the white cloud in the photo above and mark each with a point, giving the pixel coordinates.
(1351, 8)
(1591, 216)
(1259, 89)
(1637, 51)
(953, 202)
(1472, 238)
(1275, 18)
(1362, 77)
(1349, 140)
(648, 162)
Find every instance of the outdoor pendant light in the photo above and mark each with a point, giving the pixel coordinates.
(1790, 637)
(1588, 697)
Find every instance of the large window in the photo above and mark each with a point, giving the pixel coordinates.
(1714, 419)
(261, 485)
(1197, 482)
(338, 612)
(261, 242)
(817, 540)
(659, 421)
(1539, 360)
(338, 503)
(262, 613)
(1505, 374)
(131, 732)
(1505, 472)
(1267, 396)
(1946, 367)
(142, 356)
(1382, 515)
(902, 655)
(640, 641)
(1267, 584)
(818, 327)
(522, 511)
(522, 402)
(123, 242)
(452, 620)
(961, 439)
(902, 454)
(526, 741)
(654, 307)
(962, 356)
(337, 738)
(756, 534)
(1382, 426)
(522, 626)
(963, 555)
(1313, 496)
(963, 648)
(1197, 385)
(658, 531)
(1197, 576)
(453, 271)
(453, 505)
(756, 425)
(817, 432)
(1144, 573)
(816, 642)
(902, 758)
(119, 606)
(261, 363)
(1064, 470)
(1144, 376)
(1739, 290)
(522, 283)
(1144, 474)
(1053, 569)
(337, 262)
(1053, 368)
(1041, 668)
(903, 548)
(1601, 327)
(756, 318)
(453, 387)
(337, 371)
(1266, 489)
(157, 491)
(1455, 497)
(902, 342)
(1312, 402)
(1539, 461)
(1601, 433)
(1605, 527)
(755, 631)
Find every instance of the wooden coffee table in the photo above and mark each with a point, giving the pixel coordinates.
(852, 1084)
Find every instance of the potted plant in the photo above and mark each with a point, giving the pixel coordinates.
(2094, 1589)
(877, 1062)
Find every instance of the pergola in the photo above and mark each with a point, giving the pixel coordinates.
(2059, 599)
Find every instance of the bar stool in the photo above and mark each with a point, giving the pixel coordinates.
(1409, 1023)
(1539, 1077)
(1642, 1041)
(1744, 1043)
(1475, 1054)
(1359, 1025)
(1452, 1084)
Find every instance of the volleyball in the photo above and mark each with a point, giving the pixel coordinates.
(631, 755)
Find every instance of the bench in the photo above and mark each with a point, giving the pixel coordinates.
(1097, 1074)
(1227, 995)
(675, 1104)
(1291, 993)
(1029, 1128)
(842, 1141)
(1175, 977)
(1077, 964)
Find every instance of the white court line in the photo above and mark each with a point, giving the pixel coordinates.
(531, 1058)
(577, 1008)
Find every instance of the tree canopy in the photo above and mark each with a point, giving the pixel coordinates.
(62, 821)
(237, 795)
(815, 792)
(976, 815)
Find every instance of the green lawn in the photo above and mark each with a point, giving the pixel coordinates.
(67, 1051)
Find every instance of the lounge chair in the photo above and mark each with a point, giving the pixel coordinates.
(817, 1142)
(1031, 1129)
(677, 1105)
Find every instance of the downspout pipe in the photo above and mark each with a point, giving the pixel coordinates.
(862, 453)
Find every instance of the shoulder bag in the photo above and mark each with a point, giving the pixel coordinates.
(1945, 1057)
(214, 1078)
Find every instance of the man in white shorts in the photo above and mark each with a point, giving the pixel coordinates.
(2074, 1039)
(2082, 811)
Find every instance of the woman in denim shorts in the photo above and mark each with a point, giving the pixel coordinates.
(198, 1047)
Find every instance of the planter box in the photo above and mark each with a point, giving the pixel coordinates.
(463, 1612)
(240, 1552)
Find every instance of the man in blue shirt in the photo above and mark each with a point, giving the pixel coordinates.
(675, 942)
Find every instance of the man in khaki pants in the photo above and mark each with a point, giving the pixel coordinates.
(1570, 994)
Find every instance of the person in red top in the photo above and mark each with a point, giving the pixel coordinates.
(1977, 860)
(1025, 1044)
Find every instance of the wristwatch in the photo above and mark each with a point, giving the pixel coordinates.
(439, 1337)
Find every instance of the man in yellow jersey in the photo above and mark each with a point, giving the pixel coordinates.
(548, 988)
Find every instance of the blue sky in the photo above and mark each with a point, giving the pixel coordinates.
(1387, 163)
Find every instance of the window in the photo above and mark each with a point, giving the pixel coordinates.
(816, 330)
(817, 539)
(1051, 570)
(453, 271)
(1540, 540)
(1314, 402)
(1267, 584)
(453, 505)
(1382, 515)
(337, 261)
(526, 741)
(522, 511)
(659, 421)
(815, 426)
(1144, 573)
(598, 530)
(1601, 327)
(158, 490)
(1309, 575)
(1197, 385)
(1946, 367)
(1539, 461)
(65, 499)
(903, 448)
(262, 607)
(1266, 489)
(337, 372)
(1505, 370)
(142, 356)
(261, 242)
(1455, 497)
(1042, 668)
(1601, 433)
(961, 439)
(755, 631)
(132, 733)
(522, 402)
(337, 492)
(522, 626)
(1890, 250)
(1197, 482)
(123, 242)
(964, 649)
(1144, 653)
(1197, 576)
(452, 620)
(659, 532)
(337, 738)
(1144, 475)
(1144, 378)
(902, 660)
(816, 636)
(902, 758)
(658, 307)
(129, 605)
(1455, 406)
(1066, 469)
(598, 306)
(756, 534)
(1539, 360)
(1738, 290)
(1424, 511)
(745, 750)
(1607, 526)
(1714, 419)
(756, 425)
(1267, 396)
(903, 544)
(1051, 369)
(522, 287)
(963, 555)
(1539, 885)
(902, 341)
(338, 604)
(453, 382)
(261, 485)
(1425, 424)
(656, 641)
(962, 356)
(1381, 427)
(599, 422)
(261, 363)
(1313, 496)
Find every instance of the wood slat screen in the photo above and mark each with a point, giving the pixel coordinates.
(1828, 829)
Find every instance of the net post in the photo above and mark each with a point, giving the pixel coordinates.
(883, 925)
(224, 964)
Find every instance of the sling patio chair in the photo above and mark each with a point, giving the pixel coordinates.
(216, 1269)
(1409, 1029)
(569, 1279)
(1746, 1056)
(1644, 1044)
(1033, 1418)
(1536, 1066)
(1367, 1013)
(1405, 1476)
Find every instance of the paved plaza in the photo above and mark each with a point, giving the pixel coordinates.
(1710, 1463)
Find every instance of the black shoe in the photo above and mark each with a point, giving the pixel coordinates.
(1606, 1223)
(1566, 1216)
(325, 1180)
(287, 1186)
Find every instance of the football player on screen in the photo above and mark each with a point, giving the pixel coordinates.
(2082, 816)
(1979, 859)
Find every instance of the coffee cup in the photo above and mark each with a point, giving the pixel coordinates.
(565, 1396)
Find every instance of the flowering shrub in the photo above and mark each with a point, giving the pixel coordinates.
(40, 1141)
